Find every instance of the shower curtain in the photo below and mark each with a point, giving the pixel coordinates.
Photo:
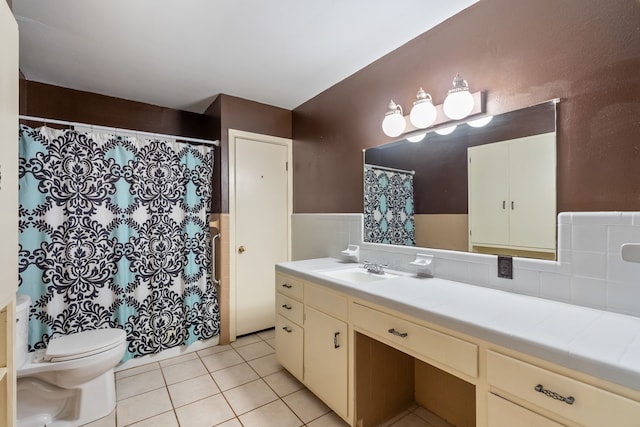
(114, 233)
(388, 206)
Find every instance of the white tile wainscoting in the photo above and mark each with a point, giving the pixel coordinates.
(589, 271)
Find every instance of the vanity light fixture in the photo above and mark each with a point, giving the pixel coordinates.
(394, 123)
(459, 104)
(478, 123)
(416, 138)
(423, 113)
(447, 130)
(459, 101)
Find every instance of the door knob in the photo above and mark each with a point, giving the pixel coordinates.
(241, 249)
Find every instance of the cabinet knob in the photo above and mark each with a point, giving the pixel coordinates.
(241, 249)
(287, 329)
(287, 306)
(286, 285)
(335, 340)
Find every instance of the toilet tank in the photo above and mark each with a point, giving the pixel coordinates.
(23, 302)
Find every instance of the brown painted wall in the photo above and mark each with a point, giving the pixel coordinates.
(586, 52)
(241, 114)
(54, 102)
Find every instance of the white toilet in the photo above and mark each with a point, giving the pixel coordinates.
(69, 384)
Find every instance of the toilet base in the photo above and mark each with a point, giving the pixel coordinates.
(40, 403)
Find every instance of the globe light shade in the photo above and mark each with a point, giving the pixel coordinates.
(447, 130)
(459, 101)
(423, 113)
(478, 123)
(416, 138)
(394, 123)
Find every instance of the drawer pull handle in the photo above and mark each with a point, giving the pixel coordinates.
(552, 394)
(286, 285)
(287, 329)
(335, 340)
(392, 331)
(287, 306)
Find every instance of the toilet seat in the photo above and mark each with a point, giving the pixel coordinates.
(83, 344)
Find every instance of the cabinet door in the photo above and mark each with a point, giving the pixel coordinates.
(289, 341)
(8, 155)
(488, 194)
(532, 191)
(503, 413)
(325, 358)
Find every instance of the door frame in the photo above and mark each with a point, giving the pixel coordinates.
(266, 139)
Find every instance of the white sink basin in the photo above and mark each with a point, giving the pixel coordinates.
(357, 275)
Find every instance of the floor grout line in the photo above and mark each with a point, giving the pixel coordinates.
(221, 392)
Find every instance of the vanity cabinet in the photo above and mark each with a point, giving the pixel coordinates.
(452, 354)
(325, 358)
(289, 324)
(503, 413)
(312, 339)
(512, 194)
(369, 362)
(555, 394)
(326, 346)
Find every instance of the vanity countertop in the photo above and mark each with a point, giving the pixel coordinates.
(599, 343)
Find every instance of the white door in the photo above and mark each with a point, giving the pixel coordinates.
(261, 211)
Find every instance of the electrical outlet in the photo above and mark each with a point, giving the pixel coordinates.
(505, 267)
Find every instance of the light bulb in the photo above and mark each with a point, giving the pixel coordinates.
(416, 138)
(459, 101)
(423, 113)
(394, 123)
(478, 123)
(447, 130)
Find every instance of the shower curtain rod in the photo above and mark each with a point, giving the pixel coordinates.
(116, 130)
(390, 169)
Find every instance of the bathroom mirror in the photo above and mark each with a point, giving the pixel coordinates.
(427, 183)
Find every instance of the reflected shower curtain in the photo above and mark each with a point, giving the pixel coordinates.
(114, 233)
(388, 207)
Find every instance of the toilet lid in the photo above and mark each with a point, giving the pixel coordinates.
(83, 344)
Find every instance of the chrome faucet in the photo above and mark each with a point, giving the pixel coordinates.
(374, 268)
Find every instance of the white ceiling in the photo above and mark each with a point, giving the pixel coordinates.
(182, 54)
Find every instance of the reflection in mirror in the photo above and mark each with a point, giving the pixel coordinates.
(421, 193)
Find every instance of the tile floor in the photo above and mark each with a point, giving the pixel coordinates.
(234, 385)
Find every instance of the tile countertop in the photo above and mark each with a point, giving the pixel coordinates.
(599, 343)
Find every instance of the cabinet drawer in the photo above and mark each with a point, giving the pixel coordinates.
(289, 308)
(444, 349)
(328, 302)
(503, 413)
(289, 286)
(590, 405)
(289, 345)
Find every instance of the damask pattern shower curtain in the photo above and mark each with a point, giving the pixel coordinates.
(388, 207)
(114, 233)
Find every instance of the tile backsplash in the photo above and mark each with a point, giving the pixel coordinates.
(589, 271)
(323, 235)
